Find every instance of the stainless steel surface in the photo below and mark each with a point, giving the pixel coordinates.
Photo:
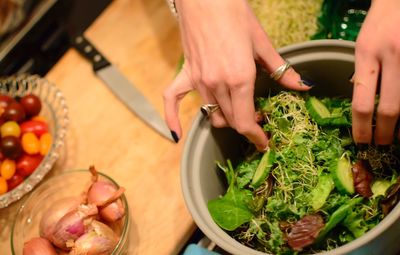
(133, 99)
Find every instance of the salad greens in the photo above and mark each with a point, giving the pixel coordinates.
(307, 171)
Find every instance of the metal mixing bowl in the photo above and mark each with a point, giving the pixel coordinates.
(329, 63)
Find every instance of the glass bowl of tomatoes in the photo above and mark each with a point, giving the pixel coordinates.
(33, 125)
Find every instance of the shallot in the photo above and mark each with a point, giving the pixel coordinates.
(106, 196)
(100, 239)
(72, 225)
(38, 246)
(55, 213)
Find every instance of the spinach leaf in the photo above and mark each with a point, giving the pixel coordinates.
(231, 211)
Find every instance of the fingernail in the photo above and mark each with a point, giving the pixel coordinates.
(306, 83)
(175, 136)
(351, 77)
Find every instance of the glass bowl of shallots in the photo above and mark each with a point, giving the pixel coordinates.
(77, 212)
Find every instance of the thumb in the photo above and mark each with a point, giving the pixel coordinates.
(175, 92)
(269, 58)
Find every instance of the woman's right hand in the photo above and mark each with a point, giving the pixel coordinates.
(222, 40)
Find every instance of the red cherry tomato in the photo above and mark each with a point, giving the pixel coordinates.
(5, 100)
(14, 181)
(34, 126)
(31, 104)
(27, 164)
(14, 112)
(11, 147)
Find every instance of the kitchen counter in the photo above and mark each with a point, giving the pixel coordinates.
(141, 38)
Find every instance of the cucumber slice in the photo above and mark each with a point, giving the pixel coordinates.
(321, 192)
(263, 168)
(318, 111)
(342, 175)
(379, 187)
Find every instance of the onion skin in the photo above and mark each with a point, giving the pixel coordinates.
(38, 246)
(72, 225)
(113, 211)
(55, 213)
(99, 240)
(100, 193)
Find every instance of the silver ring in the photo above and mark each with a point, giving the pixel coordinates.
(280, 71)
(207, 109)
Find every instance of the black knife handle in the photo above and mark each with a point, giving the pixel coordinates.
(87, 50)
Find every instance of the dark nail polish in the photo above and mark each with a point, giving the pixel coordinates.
(307, 83)
(174, 136)
(351, 77)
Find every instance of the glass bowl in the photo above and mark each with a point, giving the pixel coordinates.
(54, 110)
(67, 184)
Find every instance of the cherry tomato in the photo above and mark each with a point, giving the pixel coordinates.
(27, 164)
(39, 118)
(3, 185)
(45, 143)
(7, 169)
(11, 147)
(30, 143)
(14, 181)
(34, 126)
(31, 104)
(10, 128)
(5, 101)
(14, 112)
(2, 109)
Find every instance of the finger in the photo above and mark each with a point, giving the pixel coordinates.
(223, 98)
(245, 124)
(269, 58)
(389, 102)
(216, 118)
(172, 96)
(365, 83)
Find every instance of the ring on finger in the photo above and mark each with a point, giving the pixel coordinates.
(280, 71)
(207, 109)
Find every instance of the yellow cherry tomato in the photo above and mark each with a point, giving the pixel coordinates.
(30, 143)
(10, 128)
(7, 169)
(39, 118)
(45, 143)
(3, 185)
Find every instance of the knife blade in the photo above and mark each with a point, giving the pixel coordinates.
(122, 87)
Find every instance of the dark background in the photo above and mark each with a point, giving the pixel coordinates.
(46, 41)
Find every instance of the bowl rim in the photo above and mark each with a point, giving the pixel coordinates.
(125, 230)
(199, 128)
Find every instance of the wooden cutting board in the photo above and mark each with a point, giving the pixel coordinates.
(141, 38)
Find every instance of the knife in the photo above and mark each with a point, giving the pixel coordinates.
(121, 87)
